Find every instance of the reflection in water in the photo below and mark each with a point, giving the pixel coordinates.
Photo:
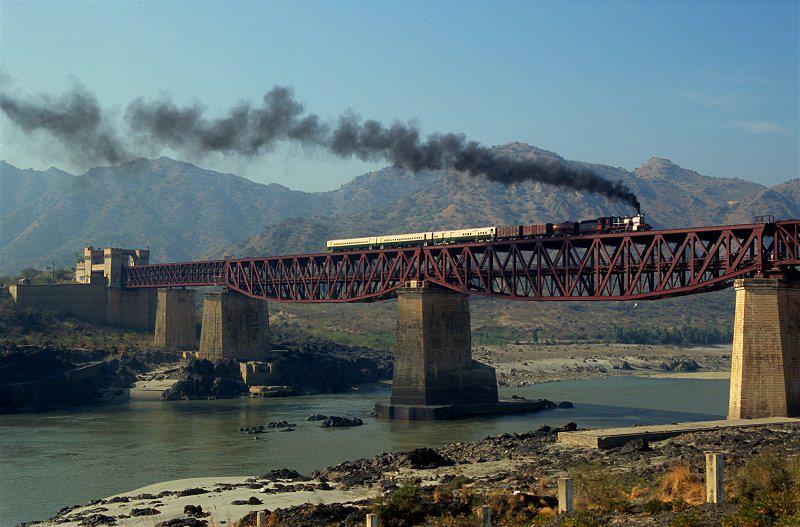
(60, 458)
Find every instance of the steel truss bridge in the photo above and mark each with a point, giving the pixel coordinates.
(618, 266)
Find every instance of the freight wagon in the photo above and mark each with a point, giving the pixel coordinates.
(511, 232)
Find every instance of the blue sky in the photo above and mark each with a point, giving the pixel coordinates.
(712, 86)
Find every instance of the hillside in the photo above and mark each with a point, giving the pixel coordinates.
(184, 212)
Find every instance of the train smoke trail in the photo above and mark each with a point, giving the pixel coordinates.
(74, 118)
(250, 130)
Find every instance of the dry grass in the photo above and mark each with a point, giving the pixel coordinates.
(679, 483)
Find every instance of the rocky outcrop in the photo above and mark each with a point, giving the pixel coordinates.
(34, 379)
(681, 364)
(204, 379)
(325, 368)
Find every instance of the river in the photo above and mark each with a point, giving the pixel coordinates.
(61, 458)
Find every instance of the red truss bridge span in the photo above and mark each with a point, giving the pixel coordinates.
(618, 266)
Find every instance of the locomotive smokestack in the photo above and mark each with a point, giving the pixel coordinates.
(76, 120)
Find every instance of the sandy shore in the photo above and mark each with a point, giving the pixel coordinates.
(217, 500)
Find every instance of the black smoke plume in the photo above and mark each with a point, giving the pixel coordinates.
(75, 119)
(248, 130)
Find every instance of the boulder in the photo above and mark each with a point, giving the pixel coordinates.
(335, 421)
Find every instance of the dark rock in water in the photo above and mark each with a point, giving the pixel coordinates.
(335, 421)
(259, 429)
(183, 522)
(203, 379)
(191, 492)
(517, 398)
(250, 501)
(195, 510)
(635, 445)
(316, 417)
(93, 520)
(569, 427)
(544, 429)
(280, 424)
(284, 474)
(424, 457)
(565, 404)
(145, 511)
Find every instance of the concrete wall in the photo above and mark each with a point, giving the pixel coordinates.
(234, 326)
(131, 308)
(433, 354)
(765, 367)
(85, 302)
(98, 304)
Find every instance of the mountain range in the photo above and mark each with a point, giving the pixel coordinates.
(182, 212)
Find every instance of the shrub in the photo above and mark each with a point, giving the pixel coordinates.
(687, 518)
(584, 519)
(766, 473)
(769, 510)
(602, 489)
(656, 506)
(404, 507)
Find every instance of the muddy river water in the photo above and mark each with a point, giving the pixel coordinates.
(60, 458)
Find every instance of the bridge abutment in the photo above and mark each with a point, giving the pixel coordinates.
(176, 319)
(765, 368)
(234, 326)
(435, 376)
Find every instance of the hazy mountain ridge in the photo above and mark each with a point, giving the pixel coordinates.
(184, 212)
(671, 197)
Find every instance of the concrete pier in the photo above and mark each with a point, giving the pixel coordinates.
(765, 367)
(234, 326)
(176, 319)
(435, 376)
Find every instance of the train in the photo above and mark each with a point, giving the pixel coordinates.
(608, 224)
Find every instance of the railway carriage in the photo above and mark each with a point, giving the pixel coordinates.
(477, 234)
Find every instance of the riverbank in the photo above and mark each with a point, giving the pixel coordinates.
(526, 464)
(524, 364)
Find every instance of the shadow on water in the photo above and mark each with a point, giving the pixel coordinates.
(66, 457)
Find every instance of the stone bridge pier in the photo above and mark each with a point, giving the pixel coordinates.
(765, 367)
(435, 376)
(176, 319)
(234, 326)
(434, 373)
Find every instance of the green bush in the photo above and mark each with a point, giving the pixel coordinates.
(584, 519)
(404, 507)
(688, 518)
(656, 506)
(602, 489)
(766, 473)
(768, 510)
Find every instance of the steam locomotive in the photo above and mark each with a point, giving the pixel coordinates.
(606, 224)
